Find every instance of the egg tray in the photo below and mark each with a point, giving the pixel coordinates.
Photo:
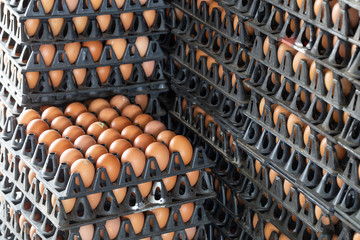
(236, 62)
(212, 21)
(244, 9)
(329, 58)
(11, 25)
(33, 9)
(45, 230)
(216, 232)
(29, 58)
(68, 90)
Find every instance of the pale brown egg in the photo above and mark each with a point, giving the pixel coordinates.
(160, 152)
(165, 136)
(72, 51)
(27, 116)
(340, 151)
(142, 101)
(119, 101)
(103, 73)
(119, 46)
(186, 211)
(120, 123)
(31, 26)
(282, 49)
(182, 145)
(119, 3)
(95, 48)
(47, 52)
(161, 215)
(126, 70)
(149, 16)
(112, 228)
(37, 127)
(142, 120)
(120, 194)
(86, 232)
(356, 236)
(145, 189)
(85, 119)
(137, 159)
(79, 75)
(142, 141)
(126, 19)
(148, 68)
(80, 24)
(32, 79)
(168, 236)
(51, 113)
(292, 119)
(298, 57)
(95, 4)
(31, 176)
(142, 44)
(70, 155)
(97, 105)
(84, 142)
(119, 146)
(86, 170)
(68, 204)
(131, 132)
(72, 4)
(73, 132)
(325, 219)
(60, 123)
(56, 25)
(108, 115)
(112, 165)
(96, 129)
(48, 137)
(108, 136)
(95, 151)
(137, 222)
(104, 22)
(154, 128)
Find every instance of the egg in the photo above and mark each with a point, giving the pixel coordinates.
(161, 215)
(182, 145)
(112, 165)
(108, 115)
(86, 170)
(96, 129)
(280, 110)
(160, 152)
(119, 146)
(120, 194)
(148, 68)
(68, 204)
(340, 151)
(328, 79)
(95, 4)
(149, 16)
(145, 189)
(292, 119)
(282, 49)
(142, 101)
(95, 151)
(154, 128)
(186, 211)
(142, 120)
(137, 159)
(104, 22)
(61, 123)
(193, 177)
(79, 75)
(297, 58)
(86, 232)
(84, 142)
(103, 73)
(74, 109)
(72, 4)
(283, 237)
(165, 136)
(48, 136)
(72, 51)
(80, 23)
(119, 46)
(143, 140)
(287, 186)
(131, 132)
(339, 182)
(353, 15)
(119, 123)
(85, 119)
(119, 101)
(56, 25)
(356, 236)
(112, 228)
(126, 19)
(137, 222)
(95, 48)
(56, 77)
(31, 26)
(32, 79)
(27, 116)
(325, 219)
(73, 132)
(97, 105)
(126, 70)
(47, 52)
(142, 44)
(268, 229)
(70, 155)
(37, 127)
(51, 113)
(272, 175)
(168, 236)
(108, 136)
(60, 145)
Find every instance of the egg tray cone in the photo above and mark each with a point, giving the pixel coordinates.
(212, 21)
(12, 24)
(245, 10)
(216, 232)
(45, 230)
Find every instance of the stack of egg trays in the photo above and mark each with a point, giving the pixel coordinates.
(241, 154)
(13, 206)
(20, 54)
(265, 65)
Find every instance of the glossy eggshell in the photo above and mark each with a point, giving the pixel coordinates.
(182, 145)
(107, 115)
(162, 216)
(31, 26)
(70, 155)
(37, 127)
(186, 211)
(96, 129)
(80, 23)
(61, 123)
(154, 128)
(120, 123)
(160, 152)
(287, 186)
(165, 136)
(137, 222)
(85, 119)
(51, 113)
(131, 111)
(137, 159)
(145, 189)
(142, 120)
(104, 22)
(193, 177)
(68, 204)
(56, 25)
(48, 137)
(95, 48)
(142, 141)
(131, 132)
(97, 105)
(73, 132)
(119, 101)
(149, 16)
(47, 52)
(126, 19)
(60, 145)
(120, 194)
(84, 142)
(27, 116)
(142, 44)
(112, 228)
(79, 75)
(169, 182)
(95, 151)
(119, 146)
(75, 109)
(56, 77)
(112, 165)
(119, 46)
(126, 70)
(86, 170)
(72, 51)
(108, 137)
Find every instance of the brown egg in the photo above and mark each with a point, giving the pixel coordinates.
(160, 152)
(325, 219)
(48, 137)
(119, 101)
(119, 47)
(356, 236)
(154, 128)
(143, 140)
(120, 123)
(97, 105)
(340, 151)
(112, 165)
(68, 204)
(72, 4)
(86, 232)
(75, 109)
(73, 132)
(137, 159)
(72, 51)
(165, 136)
(346, 84)
(209, 119)
(292, 119)
(37, 127)
(47, 52)
(339, 182)
(95, 151)
(112, 228)
(272, 175)
(280, 110)
(103, 73)
(56, 77)
(142, 101)
(32, 232)
(126, 19)
(32, 79)
(145, 189)
(149, 16)
(120, 194)
(96, 129)
(95, 48)
(27, 116)
(193, 177)
(61, 123)
(119, 3)
(131, 132)
(148, 68)
(70, 155)
(186, 211)
(86, 170)
(182, 145)
(59, 146)
(51, 113)
(80, 23)
(131, 111)
(126, 70)
(141, 44)
(142, 120)
(31, 176)
(353, 15)
(283, 237)
(108, 137)
(168, 236)
(31, 26)
(56, 25)
(269, 228)
(161, 215)
(104, 22)
(297, 58)
(79, 75)
(287, 186)
(119, 146)
(85, 119)
(84, 142)
(282, 49)
(107, 115)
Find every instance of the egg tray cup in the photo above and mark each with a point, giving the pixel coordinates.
(68, 90)
(33, 9)
(213, 21)
(186, 33)
(44, 230)
(216, 232)
(12, 25)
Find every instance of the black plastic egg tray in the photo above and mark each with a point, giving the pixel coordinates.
(13, 23)
(244, 9)
(20, 205)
